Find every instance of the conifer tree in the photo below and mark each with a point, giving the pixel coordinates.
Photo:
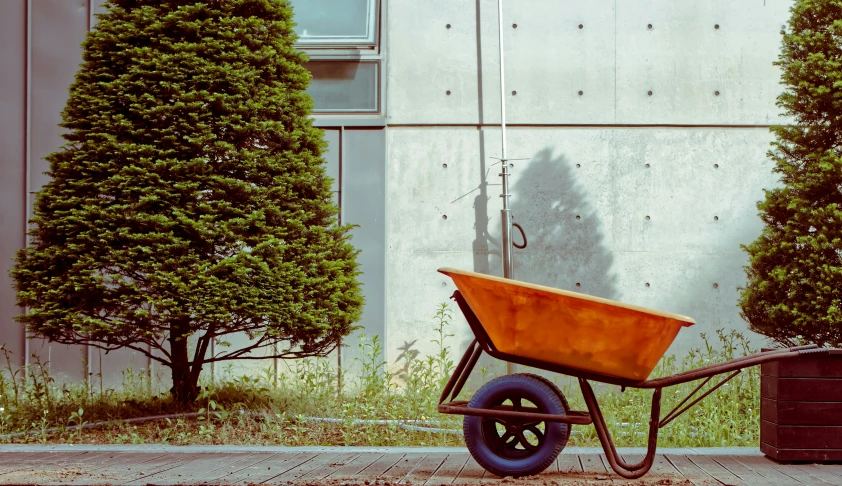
(794, 289)
(190, 199)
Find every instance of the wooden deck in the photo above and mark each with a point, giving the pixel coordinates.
(417, 468)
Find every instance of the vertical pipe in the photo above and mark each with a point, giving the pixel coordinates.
(506, 212)
(89, 351)
(28, 137)
(213, 363)
(341, 220)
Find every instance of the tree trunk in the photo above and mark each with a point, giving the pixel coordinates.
(184, 383)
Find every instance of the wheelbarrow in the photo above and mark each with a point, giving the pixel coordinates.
(516, 425)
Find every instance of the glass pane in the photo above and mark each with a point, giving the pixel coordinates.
(344, 86)
(334, 21)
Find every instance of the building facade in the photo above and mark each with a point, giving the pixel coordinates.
(642, 126)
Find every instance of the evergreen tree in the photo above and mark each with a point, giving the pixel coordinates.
(190, 199)
(794, 289)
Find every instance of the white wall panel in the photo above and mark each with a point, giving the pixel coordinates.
(599, 175)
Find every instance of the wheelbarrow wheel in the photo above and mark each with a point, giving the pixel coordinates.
(516, 447)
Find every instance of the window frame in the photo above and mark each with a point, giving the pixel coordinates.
(368, 52)
(377, 87)
(371, 40)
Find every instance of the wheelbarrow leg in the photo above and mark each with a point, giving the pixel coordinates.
(628, 471)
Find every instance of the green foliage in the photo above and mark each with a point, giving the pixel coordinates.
(190, 200)
(261, 410)
(795, 275)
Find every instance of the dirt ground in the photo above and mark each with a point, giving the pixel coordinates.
(571, 479)
(79, 476)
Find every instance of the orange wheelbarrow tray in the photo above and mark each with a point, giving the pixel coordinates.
(586, 337)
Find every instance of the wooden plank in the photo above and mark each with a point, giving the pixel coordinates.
(321, 460)
(796, 473)
(145, 474)
(801, 436)
(659, 466)
(811, 455)
(16, 458)
(802, 389)
(763, 466)
(814, 367)
(818, 471)
(691, 471)
(592, 463)
(353, 467)
(834, 468)
(338, 462)
(801, 413)
(406, 464)
(114, 469)
(240, 461)
(748, 475)
(34, 465)
(196, 468)
(265, 467)
(799, 474)
(708, 465)
(470, 474)
(568, 463)
(425, 469)
(449, 470)
(11, 462)
(380, 466)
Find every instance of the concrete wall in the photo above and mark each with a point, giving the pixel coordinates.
(626, 195)
(690, 156)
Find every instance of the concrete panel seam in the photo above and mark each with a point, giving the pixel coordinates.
(569, 125)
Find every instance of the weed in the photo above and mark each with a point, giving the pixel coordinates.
(265, 409)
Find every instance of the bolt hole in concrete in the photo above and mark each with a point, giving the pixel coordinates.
(716, 93)
(448, 26)
(716, 285)
(447, 92)
(511, 165)
(578, 165)
(514, 26)
(578, 284)
(716, 218)
(581, 26)
(444, 166)
(514, 93)
(578, 217)
(716, 26)
(647, 284)
(649, 93)
(443, 216)
(581, 93)
(647, 166)
(715, 166)
(648, 218)
(649, 26)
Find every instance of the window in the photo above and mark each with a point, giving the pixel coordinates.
(342, 39)
(336, 22)
(344, 86)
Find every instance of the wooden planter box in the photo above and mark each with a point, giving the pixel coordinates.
(801, 409)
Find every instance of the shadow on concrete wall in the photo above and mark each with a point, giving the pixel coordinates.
(562, 250)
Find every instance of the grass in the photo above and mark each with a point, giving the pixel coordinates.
(259, 410)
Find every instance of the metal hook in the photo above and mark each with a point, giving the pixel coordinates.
(519, 227)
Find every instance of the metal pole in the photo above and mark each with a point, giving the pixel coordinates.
(506, 212)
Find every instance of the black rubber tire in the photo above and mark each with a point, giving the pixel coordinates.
(484, 442)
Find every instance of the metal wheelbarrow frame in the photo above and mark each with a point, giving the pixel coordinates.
(482, 343)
